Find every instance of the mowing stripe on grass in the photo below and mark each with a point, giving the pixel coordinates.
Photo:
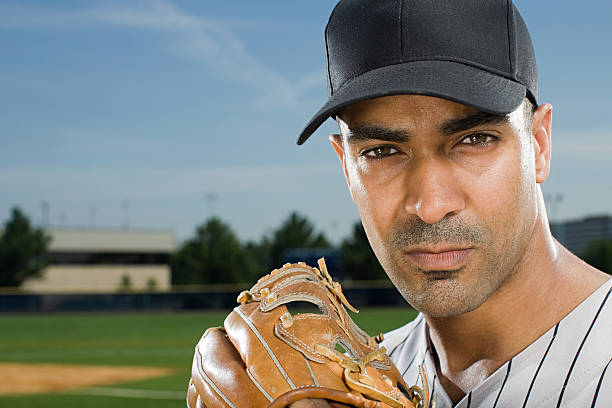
(130, 393)
(93, 353)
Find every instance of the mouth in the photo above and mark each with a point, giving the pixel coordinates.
(446, 259)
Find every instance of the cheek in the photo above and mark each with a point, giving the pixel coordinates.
(505, 195)
(377, 193)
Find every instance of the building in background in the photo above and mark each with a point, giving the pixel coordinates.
(575, 235)
(106, 260)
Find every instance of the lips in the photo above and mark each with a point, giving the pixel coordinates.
(448, 259)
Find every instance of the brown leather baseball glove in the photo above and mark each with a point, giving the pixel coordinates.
(269, 355)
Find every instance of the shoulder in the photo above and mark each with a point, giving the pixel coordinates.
(593, 316)
(397, 336)
(585, 333)
(404, 338)
(569, 365)
(585, 351)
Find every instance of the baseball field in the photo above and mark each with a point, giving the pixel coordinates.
(115, 360)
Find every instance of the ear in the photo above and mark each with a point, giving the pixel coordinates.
(541, 131)
(336, 141)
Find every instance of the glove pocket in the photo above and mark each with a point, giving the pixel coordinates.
(272, 364)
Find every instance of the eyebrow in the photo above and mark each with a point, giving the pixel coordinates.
(362, 133)
(478, 118)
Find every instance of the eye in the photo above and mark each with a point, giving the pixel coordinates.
(478, 139)
(380, 152)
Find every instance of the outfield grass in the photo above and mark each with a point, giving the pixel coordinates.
(137, 339)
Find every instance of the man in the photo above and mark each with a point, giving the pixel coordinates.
(444, 146)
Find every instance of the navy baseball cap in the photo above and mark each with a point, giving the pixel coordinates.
(475, 52)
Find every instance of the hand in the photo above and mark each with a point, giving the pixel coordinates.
(222, 365)
(266, 355)
(222, 358)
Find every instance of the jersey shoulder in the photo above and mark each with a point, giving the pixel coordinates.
(568, 365)
(404, 338)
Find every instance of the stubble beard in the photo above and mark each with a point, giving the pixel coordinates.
(444, 293)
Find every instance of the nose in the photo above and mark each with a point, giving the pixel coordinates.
(433, 192)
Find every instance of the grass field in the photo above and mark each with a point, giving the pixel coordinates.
(134, 339)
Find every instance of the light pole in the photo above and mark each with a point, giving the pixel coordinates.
(92, 216)
(211, 198)
(44, 206)
(125, 207)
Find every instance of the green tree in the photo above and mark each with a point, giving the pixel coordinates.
(152, 284)
(23, 250)
(358, 259)
(599, 254)
(213, 255)
(125, 283)
(295, 232)
(258, 257)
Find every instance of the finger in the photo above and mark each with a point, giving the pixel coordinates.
(192, 396)
(220, 376)
(277, 366)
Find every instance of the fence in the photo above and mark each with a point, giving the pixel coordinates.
(360, 294)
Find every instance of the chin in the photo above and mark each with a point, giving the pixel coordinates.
(443, 298)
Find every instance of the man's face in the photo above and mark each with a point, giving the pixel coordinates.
(447, 195)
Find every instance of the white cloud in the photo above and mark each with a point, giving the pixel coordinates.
(209, 40)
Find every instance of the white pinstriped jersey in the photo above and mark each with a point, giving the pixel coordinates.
(565, 367)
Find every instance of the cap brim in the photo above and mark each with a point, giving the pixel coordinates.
(457, 82)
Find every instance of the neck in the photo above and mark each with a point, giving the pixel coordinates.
(471, 346)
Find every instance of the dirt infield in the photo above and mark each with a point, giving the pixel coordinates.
(18, 378)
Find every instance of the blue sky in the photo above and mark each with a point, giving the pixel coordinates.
(161, 103)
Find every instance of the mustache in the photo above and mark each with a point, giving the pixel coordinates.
(449, 230)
